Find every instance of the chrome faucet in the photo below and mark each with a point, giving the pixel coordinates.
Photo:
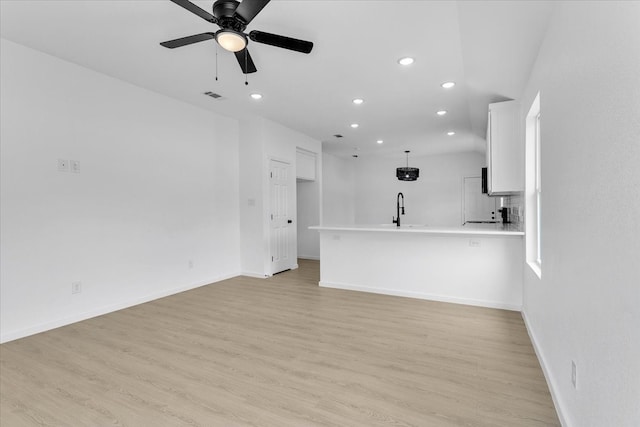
(398, 207)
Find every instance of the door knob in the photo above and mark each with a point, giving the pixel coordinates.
(289, 221)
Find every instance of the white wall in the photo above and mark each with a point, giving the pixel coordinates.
(434, 199)
(338, 190)
(260, 141)
(158, 187)
(252, 201)
(308, 201)
(586, 307)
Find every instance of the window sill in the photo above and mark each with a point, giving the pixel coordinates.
(536, 267)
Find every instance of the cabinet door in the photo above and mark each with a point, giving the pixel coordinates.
(305, 165)
(505, 149)
(489, 157)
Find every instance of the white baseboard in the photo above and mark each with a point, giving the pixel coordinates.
(254, 274)
(78, 317)
(551, 384)
(311, 257)
(420, 295)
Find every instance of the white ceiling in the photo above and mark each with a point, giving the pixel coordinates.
(486, 47)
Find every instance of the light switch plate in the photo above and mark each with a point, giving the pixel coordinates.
(76, 287)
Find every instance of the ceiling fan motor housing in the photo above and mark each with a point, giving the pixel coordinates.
(224, 11)
(225, 8)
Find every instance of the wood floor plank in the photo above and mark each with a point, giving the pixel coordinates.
(279, 352)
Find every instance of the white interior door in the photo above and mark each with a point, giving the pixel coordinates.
(478, 207)
(282, 236)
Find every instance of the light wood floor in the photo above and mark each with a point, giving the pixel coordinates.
(279, 352)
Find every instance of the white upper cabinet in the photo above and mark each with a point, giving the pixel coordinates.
(505, 149)
(305, 165)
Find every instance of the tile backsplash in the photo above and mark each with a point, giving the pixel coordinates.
(515, 206)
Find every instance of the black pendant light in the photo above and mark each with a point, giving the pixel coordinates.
(407, 173)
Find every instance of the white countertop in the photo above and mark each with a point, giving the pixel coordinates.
(468, 229)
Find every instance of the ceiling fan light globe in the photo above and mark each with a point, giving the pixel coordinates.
(231, 40)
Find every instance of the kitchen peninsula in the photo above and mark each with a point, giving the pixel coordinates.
(475, 264)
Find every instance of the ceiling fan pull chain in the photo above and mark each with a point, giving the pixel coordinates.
(216, 61)
(246, 83)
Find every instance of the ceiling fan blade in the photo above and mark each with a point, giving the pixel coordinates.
(281, 41)
(172, 44)
(246, 63)
(196, 10)
(248, 9)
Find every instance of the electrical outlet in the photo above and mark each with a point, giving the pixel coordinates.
(63, 165)
(190, 264)
(474, 243)
(574, 374)
(76, 287)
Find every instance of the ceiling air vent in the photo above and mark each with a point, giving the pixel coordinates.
(214, 95)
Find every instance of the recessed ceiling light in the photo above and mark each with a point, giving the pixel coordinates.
(379, 141)
(358, 101)
(405, 61)
(448, 85)
(441, 112)
(451, 133)
(354, 125)
(256, 96)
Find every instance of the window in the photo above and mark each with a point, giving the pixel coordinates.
(538, 193)
(533, 188)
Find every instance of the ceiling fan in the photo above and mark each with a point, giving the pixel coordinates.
(233, 17)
